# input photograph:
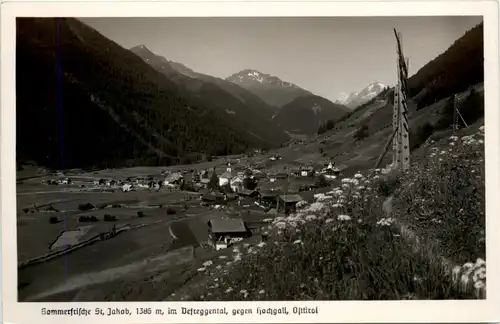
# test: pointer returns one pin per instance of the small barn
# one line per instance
(268, 198)
(226, 231)
(286, 203)
(248, 193)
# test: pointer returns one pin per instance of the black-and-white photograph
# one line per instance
(250, 158)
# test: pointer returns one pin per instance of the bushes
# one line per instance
(85, 207)
(329, 125)
(53, 220)
(361, 133)
(88, 219)
(109, 218)
(140, 214)
(171, 211)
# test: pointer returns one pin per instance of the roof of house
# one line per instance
(247, 192)
(268, 194)
(238, 178)
(271, 211)
(291, 198)
(227, 225)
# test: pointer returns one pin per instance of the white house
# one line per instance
(236, 183)
(173, 178)
(226, 177)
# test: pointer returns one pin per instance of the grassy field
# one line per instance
(349, 248)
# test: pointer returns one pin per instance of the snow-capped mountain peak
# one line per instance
(358, 98)
(254, 76)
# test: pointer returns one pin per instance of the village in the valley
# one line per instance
(198, 210)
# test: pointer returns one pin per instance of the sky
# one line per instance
(325, 55)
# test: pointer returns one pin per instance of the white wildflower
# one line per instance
(244, 292)
(228, 290)
(280, 225)
(261, 292)
(479, 284)
(261, 244)
(465, 280)
(329, 220)
(358, 176)
(311, 217)
(207, 263)
(201, 269)
(456, 273)
(344, 217)
(317, 206)
(480, 262)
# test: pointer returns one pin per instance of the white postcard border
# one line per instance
(329, 311)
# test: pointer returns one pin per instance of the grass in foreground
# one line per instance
(444, 199)
(344, 247)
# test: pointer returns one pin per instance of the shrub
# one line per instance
(85, 207)
(361, 133)
(140, 214)
(109, 218)
(88, 219)
(214, 181)
(53, 220)
(171, 211)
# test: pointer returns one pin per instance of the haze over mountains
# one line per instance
(85, 101)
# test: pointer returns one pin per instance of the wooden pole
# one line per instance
(455, 113)
(404, 137)
(386, 148)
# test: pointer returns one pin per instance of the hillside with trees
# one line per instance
(236, 105)
(84, 101)
(455, 70)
